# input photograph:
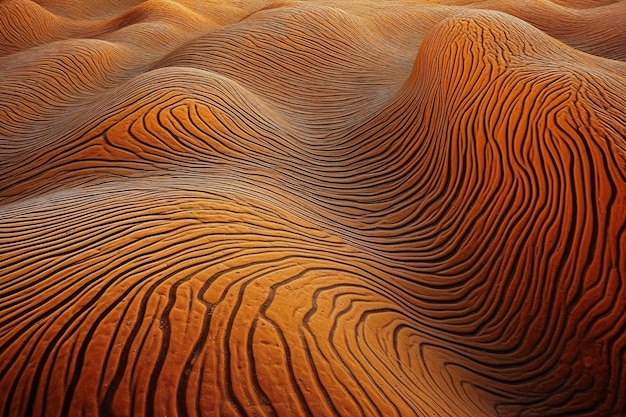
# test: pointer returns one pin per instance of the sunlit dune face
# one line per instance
(305, 208)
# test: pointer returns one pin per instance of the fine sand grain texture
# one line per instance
(312, 208)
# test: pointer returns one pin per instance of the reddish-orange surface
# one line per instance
(409, 208)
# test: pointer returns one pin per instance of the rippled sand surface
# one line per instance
(312, 208)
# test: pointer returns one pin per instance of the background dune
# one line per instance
(313, 208)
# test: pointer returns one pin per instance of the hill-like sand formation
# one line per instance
(312, 208)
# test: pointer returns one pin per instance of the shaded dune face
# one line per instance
(312, 209)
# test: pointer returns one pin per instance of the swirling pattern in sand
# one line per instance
(313, 208)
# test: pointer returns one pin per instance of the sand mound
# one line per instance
(297, 208)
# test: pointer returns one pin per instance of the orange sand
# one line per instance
(401, 208)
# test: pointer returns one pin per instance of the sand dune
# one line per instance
(313, 208)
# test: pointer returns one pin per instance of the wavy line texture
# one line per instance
(315, 209)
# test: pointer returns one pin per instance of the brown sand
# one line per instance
(402, 208)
